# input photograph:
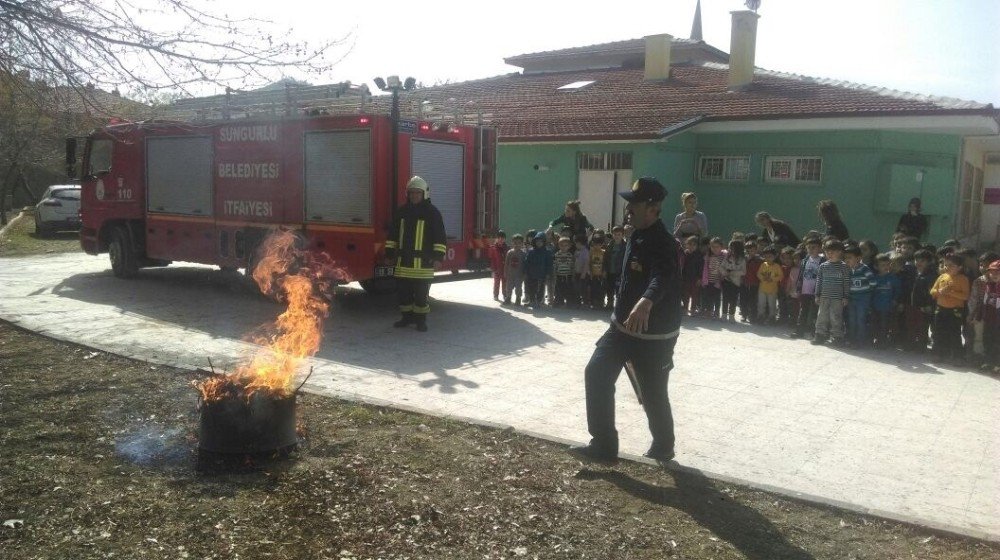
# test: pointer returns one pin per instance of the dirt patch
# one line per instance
(98, 461)
(21, 240)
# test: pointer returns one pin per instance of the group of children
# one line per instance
(849, 294)
(915, 297)
(558, 270)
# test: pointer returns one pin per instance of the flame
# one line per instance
(299, 278)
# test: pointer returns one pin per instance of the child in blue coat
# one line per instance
(885, 299)
(537, 267)
(862, 286)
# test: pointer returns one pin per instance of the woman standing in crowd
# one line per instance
(690, 221)
(573, 219)
(776, 232)
(913, 223)
(830, 214)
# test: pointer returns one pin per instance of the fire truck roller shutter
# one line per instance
(339, 177)
(179, 175)
(442, 165)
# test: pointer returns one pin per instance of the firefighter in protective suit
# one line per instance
(416, 244)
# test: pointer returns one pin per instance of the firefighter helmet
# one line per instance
(416, 183)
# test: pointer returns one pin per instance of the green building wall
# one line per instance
(530, 199)
(870, 174)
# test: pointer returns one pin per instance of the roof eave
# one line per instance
(962, 122)
(677, 128)
(564, 138)
(987, 112)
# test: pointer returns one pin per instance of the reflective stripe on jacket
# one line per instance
(416, 240)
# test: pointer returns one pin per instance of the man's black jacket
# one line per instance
(651, 269)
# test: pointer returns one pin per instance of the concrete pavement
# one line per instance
(879, 432)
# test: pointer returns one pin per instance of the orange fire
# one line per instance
(299, 278)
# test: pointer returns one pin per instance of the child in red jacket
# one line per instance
(989, 313)
(497, 253)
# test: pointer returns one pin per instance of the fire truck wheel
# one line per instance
(122, 253)
(379, 286)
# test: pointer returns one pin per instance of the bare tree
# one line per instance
(64, 62)
(144, 46)
(30, 137)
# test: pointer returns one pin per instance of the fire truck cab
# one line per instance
(161, 191)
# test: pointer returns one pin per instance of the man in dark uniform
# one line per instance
(416, 245)
(643, 331)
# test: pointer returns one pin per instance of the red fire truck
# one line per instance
(158, 191)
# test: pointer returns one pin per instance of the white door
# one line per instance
(597, 194)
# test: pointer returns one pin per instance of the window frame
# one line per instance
(725, 166)
(604, 161)
(794, 170)
(971, 202)
(89, 171)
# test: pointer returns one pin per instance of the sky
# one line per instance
(947, 48)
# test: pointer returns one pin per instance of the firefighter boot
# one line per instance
(407, 320)
(421, 322)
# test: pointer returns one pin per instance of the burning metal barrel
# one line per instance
(252, 409)
(262, 423)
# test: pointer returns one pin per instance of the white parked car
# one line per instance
(58, 210)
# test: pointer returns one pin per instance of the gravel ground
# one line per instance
(98, 461)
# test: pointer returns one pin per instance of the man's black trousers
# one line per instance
(413, 296)
(652, 360)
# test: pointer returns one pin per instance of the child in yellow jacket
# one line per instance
(769, 275)
(950, 292)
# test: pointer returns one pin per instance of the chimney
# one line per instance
(657, 63)
(742, 47)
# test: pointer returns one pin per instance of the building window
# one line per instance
(972, 199)
(793, 169)
(604, 161)
(724, 168)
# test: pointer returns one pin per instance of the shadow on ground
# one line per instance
(358, 332)
(911, 362)
(696, 495)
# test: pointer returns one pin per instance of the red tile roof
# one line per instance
(628, 46)
(620, 104)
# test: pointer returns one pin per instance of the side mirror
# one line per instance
(71, 158)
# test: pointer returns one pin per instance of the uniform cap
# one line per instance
(645, 189)
(416, 183)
